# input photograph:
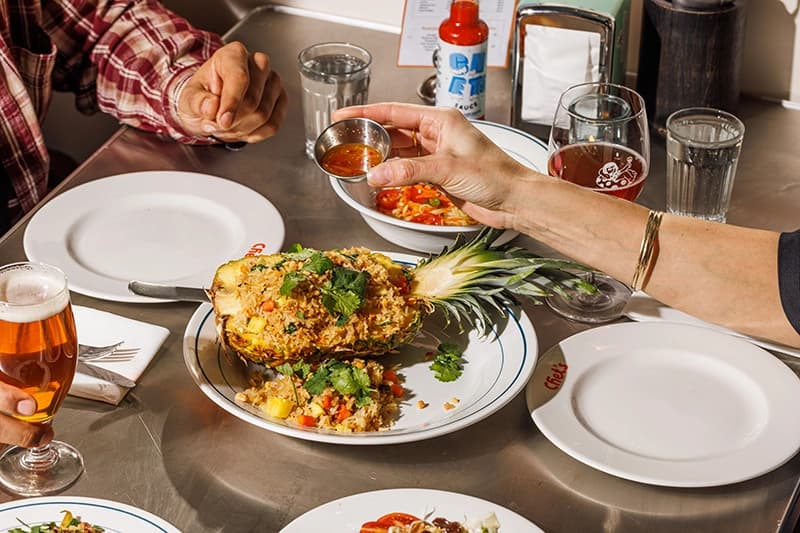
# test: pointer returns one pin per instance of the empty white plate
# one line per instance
(162, 226)
(668, 404)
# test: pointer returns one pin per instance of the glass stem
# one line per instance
(39, 459)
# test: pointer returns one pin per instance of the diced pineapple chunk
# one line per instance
(277, 407)
(256, 324)
(316, 409)
(227, 275)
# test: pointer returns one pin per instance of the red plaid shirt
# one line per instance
(129, 58)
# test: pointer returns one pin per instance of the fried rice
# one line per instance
(332, 406)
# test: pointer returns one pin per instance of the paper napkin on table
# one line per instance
(100, 328)
(555, 59)
(644, 308)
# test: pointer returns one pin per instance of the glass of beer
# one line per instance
(38, 354)
(599, 140)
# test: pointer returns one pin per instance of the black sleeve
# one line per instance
(789, 276)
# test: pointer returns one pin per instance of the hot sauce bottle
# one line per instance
(460, 60)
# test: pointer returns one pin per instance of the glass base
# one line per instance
(606, 305)
(39, 471)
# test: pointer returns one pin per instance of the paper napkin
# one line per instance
(100, 328)
(555, 59)
(644, 308)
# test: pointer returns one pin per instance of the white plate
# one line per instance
(113, 517)
(523, 147)
(165, 227)
(347, 514)
(496, 369)
(669, 404)
(644, 308)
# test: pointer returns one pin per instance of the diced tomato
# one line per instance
(397, 519)
(421, 193)
(307, 421)
(401, 282)
(268, 305)
(387, 199)
(373, 527)
(397, 390)
(343, 413)
(390, 376)
(431, 219)
(327, 401)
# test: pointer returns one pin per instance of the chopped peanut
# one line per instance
(448, 406)
(421, 404)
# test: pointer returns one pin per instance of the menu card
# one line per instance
(421, 21)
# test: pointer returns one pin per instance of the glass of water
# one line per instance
(703, 146)
(332, 75)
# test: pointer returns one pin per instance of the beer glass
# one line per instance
(599, 140)
(38, 354)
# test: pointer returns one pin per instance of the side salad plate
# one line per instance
(351, 512)
(111, 516)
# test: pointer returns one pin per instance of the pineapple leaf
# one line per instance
(468, 280)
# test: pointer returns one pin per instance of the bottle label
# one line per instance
(461, 78)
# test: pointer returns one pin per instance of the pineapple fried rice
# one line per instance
(344, 396)
(301, 305)
(309, 305)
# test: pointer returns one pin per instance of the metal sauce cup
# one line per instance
(352, 131)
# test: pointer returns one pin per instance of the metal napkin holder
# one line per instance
(568, 17)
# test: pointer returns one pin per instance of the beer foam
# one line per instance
(29, 293)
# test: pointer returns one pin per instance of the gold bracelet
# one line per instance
(646, 249)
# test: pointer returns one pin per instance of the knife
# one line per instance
(168, 292)
(105, 375)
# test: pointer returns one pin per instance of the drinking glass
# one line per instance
(332, 75)
(703, 147)
(38, 354)
(599, 140)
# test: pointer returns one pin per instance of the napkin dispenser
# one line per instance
(557, 45)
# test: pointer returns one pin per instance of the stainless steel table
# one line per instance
(168, 449)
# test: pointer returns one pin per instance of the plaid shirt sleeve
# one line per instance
(128, 58)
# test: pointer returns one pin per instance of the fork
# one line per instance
(109, 354)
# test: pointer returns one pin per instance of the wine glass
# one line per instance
(599, 140)
(38, 354)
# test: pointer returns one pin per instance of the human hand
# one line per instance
(439, 145)
(234, 96)
(14, 401)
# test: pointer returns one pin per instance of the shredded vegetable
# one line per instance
(422, 203)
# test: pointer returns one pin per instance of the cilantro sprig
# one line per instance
(344, 378)
(448, 364)
(344, 294)
(300, 368)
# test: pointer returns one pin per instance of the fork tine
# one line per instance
(87, 352)
(121, 355)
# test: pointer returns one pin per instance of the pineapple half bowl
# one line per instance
(310, 305)
(520, 145)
